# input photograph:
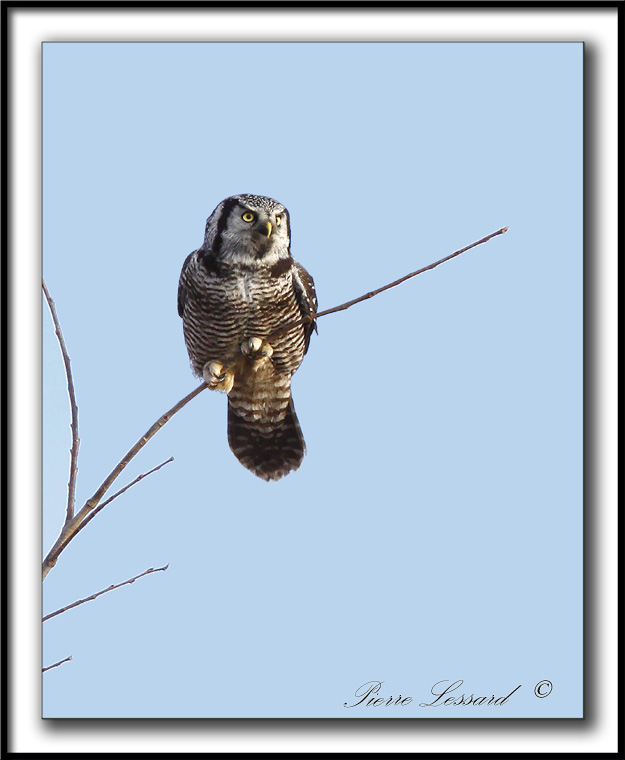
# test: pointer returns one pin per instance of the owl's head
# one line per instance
(250, 229)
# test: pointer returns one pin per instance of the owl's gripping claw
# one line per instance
(217, 377)
(256, 348)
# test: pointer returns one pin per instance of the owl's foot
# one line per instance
(217, 377)
(256, 348)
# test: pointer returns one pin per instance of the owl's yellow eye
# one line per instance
(248, 216)
(278, 221)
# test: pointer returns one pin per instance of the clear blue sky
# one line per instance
(434, 530)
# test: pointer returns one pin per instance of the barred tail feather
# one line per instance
(271, 455)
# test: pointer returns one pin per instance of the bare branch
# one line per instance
(99, 593)
(71, 527)
(120, 492)
(343, 306)
(56, 664)
(73, 465)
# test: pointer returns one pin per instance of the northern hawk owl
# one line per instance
(238, 289)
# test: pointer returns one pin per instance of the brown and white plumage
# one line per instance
(234, 292)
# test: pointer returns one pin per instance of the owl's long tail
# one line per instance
(269, 451)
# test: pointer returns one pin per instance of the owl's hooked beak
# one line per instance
(269, 228)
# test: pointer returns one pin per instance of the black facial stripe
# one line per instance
(210, 263)
(222, 223)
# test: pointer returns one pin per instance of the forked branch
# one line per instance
(92, 506)
(72, 527)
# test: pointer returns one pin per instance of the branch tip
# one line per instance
(73, 465)
(349, 304)
(56, 664)
(112, 587)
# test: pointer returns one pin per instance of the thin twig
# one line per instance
(99, 593)
(343, 306)
(56, 664)
(71, 528)
(120, 492)
(73, 465)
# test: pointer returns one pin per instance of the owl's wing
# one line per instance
(182, 291)
(306, 298)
